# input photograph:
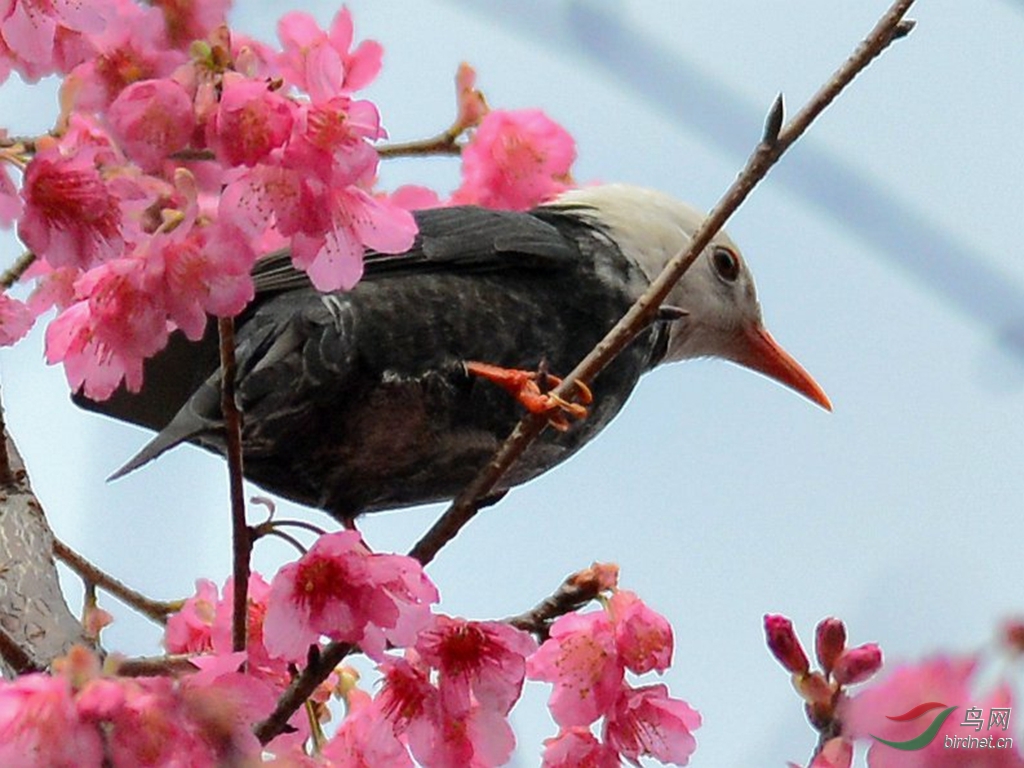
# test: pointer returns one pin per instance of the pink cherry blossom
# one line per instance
(39, 725)
(53, 288)
(470, 102)
(951, 681)
(647, 721)
(188, 20)
(71, 216)
(15, 320)
(133, 46)
(479, 738)
(117, 322)
(785, 645)
(484, 660)
(365, 739)
(643, 637)
(578, 748)
(152, 119)
(189, 630)
(340, 126)
(334, 259)
(515, 160)
(224, 699)
(855, 665)
(837, 753)
(340, 590)
(413, 197)
(90, 364)
(322, 63)
(29, 30)
(406, 693)
(250, 121)
(829, 642)
(581, 659)
(204, 270)
(10, 201)
(290, 201)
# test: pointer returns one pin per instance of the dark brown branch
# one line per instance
(302, 687)
(152, 609)
(574, 593)
(443, 144)
(240, 533)
(16, 270)
(153, 666)
(765, 155)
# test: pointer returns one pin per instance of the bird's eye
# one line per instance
(727, 263)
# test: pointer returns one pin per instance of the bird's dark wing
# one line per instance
(291, 334)
(460, 238)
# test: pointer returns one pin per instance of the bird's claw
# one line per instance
(531, 389)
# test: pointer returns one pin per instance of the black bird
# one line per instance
(372, 399)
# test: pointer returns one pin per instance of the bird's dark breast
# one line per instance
(398, 421)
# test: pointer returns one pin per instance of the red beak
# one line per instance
(760, 352)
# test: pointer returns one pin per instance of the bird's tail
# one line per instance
(192, 421)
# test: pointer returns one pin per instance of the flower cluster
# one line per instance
(823, 691)
(82, 716)
(586, 658)
(185, 151)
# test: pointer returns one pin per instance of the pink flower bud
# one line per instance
(784, 644)
(600, 577)
(813, 688)
(829, 642)
(1012, 636)
(858, 664)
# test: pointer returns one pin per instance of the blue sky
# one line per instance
(888, 258)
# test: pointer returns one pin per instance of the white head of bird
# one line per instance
(723, 317)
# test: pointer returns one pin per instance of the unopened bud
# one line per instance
(814, 688)
(1012, 636)
(784, 644)
(858, 664)
(829, 642)
(599, 577)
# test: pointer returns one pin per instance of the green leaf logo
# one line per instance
(922, 741)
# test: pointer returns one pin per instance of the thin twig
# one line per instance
(16, 270)
(445, 143)
(152, 666)
(240, 533)
(302, 687)
(571, 595)
(152, 609)
(765, 155)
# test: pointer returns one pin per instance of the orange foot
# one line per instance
(525, 386)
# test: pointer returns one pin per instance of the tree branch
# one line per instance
(574, 593)
(777, 139)
(11, 275)
(240, 533)
(445, 143)
(152, 666)
(35, 621)
(155, 610)
(319, 667)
